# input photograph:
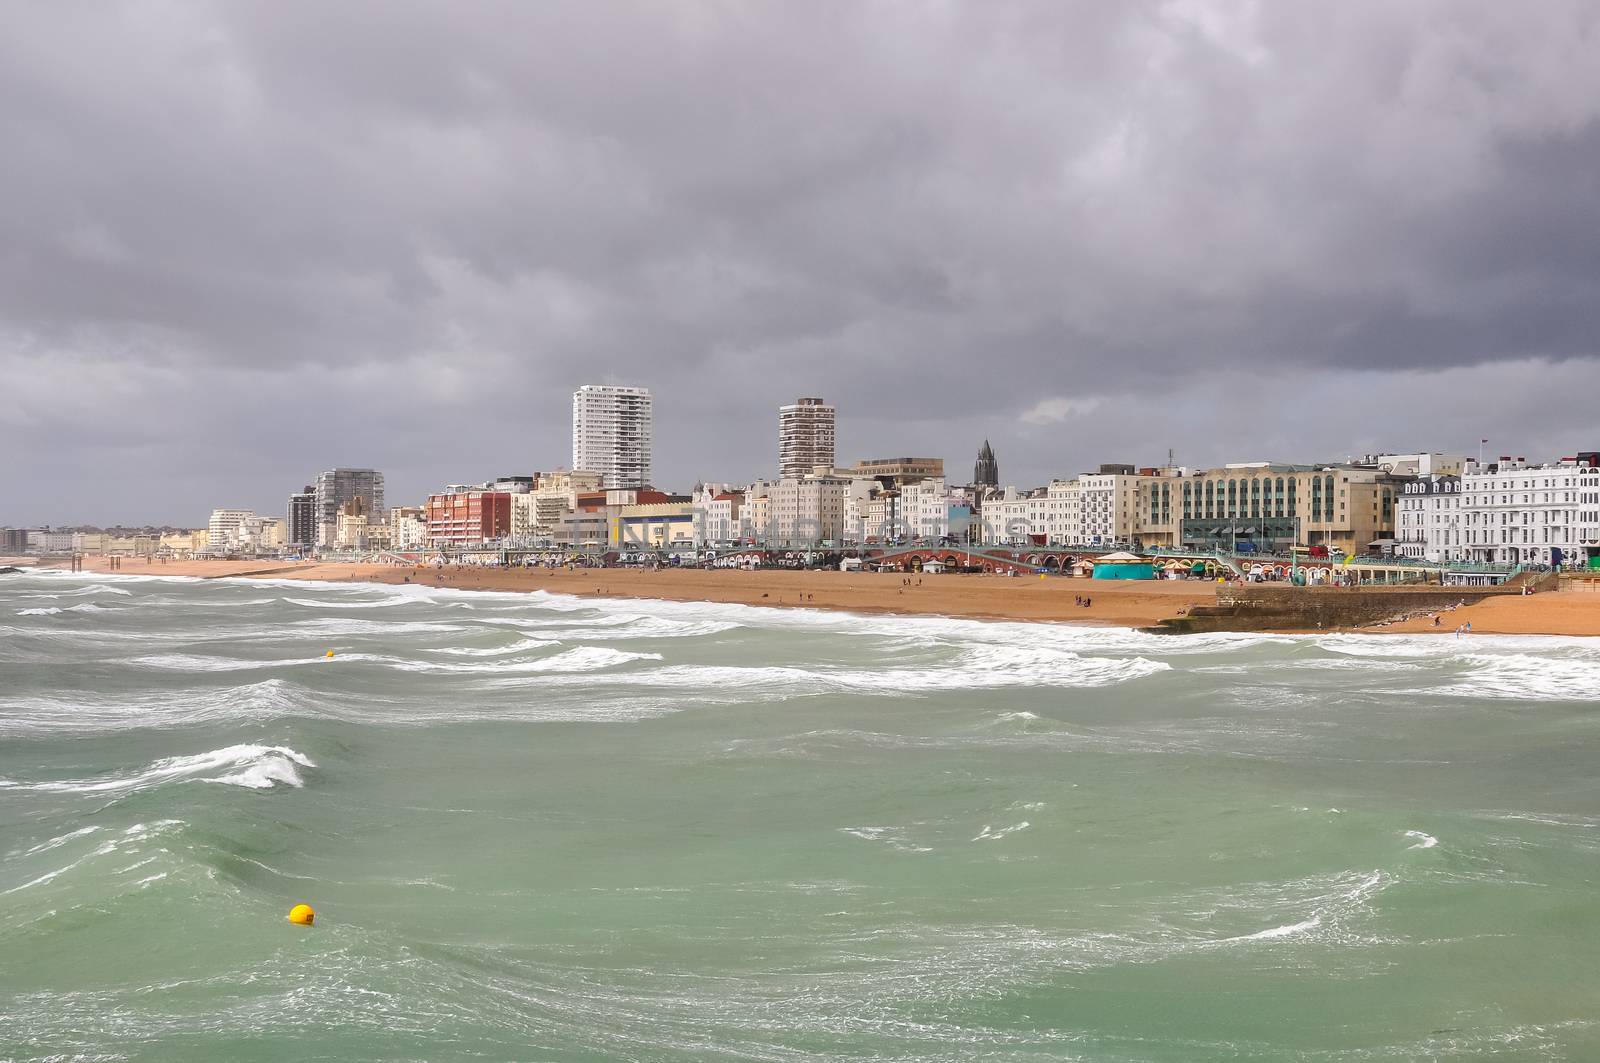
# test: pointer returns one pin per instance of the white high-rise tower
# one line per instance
(805, 437)
(611, 433)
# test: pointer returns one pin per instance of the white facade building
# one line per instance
(46, 541)
(925, 509)
(1429, 523)
(1062, 512)
(1516, 513)
(805, 437)
(611, 430)
(720, 516)
(1013, 517)
(858, 499)
(807, 511)
(222, 530)
(1108, 508)
(407, 529)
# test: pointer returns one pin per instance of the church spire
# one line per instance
(986, 473)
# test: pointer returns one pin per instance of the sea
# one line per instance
(537, 827)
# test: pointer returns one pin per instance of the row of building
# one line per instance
(45, 541)
(1433, 507)
(1426, 506)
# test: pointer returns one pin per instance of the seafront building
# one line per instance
(302, 518)
(611, 433)
(354, 521)
(925, 509)
(893, 472)
(668, 524)
(222, 530)
(408, 528)
(1106, 506)
(1268, 507)
(1429, 520)
(334, 488)
(1517, 513)
(806, 511)
(464, 515)
(720, 516)
(555, 494)
(805, 437)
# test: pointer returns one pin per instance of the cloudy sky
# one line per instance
(242, 243)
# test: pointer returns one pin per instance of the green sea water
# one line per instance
(538, 828)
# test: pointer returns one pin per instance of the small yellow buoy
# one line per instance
(330, 653)
(302, 915)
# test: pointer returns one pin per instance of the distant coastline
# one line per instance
(980, 597)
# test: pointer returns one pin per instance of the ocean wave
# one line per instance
(611, 627)
(253, 766)
(80, 713)
(317, 603)
(577, 659)
(1524, 676)
(989, 834)
(1421, 839)
(973, 672)
(122, 844)
(522, 645)
(52, 610)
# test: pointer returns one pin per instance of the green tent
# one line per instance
(1123, 565)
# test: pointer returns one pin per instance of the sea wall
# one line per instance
(1277, 607)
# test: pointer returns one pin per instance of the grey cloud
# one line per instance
(275, 237)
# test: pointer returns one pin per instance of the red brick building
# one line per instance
(468, 518)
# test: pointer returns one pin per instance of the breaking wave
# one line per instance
(253, 766)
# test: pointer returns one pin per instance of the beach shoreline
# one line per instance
(1052, 599)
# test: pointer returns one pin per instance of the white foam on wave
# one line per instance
(522, 645)
(1024, 669)
(894, 837)
(52, 610)
(610, 627)
(77, 713)
(58, 841)
(255, 766)
(577, 659)
(129, 842)
(989, 834)
(1273, 933)
(1423, 841)
(315, 603)
(191, 662)
(1526, 676)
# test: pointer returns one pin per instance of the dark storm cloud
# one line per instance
(244, 242)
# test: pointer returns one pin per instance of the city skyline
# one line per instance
(1076, 230)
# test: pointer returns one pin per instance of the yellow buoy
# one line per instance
(302, 915)
(330, 653)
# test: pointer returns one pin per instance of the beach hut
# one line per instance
(1122, 565)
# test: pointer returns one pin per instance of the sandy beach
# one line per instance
(1141, 604)
(985, 597)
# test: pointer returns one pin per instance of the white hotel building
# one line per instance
(611, 434)
(1515, 513)
(1429, 524)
